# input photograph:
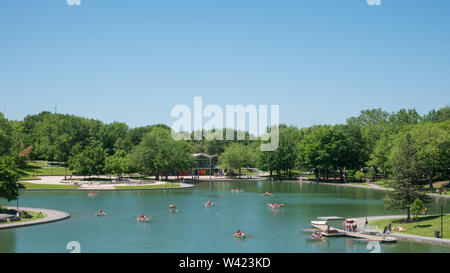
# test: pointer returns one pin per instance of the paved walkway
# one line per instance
(398, 235)
(52, 216)
(93, 186)
(369, 186)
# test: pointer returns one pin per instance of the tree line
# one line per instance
(368, 146)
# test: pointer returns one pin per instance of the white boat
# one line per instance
(318, 223)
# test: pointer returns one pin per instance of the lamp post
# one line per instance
(442, 221)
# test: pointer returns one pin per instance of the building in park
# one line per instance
(206, 164)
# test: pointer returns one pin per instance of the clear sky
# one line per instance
(132, 61)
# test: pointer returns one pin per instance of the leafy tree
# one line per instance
(238, 155)
(91, 161)
(158, 152)
(9, 188)
(112, 136)
(312, 154)
(359, 175)
(432, 142)
(116, 164)
(380, 157)
(417, 207)
(6, 136)
(440, 115)
(406, 171)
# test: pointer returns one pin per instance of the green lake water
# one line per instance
(200, 229)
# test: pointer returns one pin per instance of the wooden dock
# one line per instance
(361, 236)
(369, 237)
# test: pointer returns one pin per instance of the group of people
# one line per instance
(317, 236)
(273, 205)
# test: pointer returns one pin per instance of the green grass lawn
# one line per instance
(40, 168)
(144, 187)
(356, 183)
(26, 185)
(384, 183)
(424, 227)
(32, 213)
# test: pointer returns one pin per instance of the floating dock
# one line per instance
(330, 231)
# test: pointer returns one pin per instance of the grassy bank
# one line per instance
(32, 213)
(40, 168)
(147, 187)
(425, 226)
(33, 186)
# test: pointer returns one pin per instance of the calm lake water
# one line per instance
(201, 229)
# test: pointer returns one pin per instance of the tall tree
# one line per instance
(91, 161)
(9, 188)
(6, 136)
(407, 173)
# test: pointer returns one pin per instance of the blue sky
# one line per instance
(132, 61)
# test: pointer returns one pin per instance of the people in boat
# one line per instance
(209, 203)
(239, 233)
(274, 205)
(267, 194)
(142, 217)
(101, 212)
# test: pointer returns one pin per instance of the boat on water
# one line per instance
(314, 239)
(243, 236)
(323, 224)
(274, 205)
(145, 220)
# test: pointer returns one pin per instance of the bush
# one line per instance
(359, 175)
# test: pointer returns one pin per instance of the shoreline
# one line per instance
(367, 186)
(43, 180)
(401, 236)
(94, 185)
(52, 216)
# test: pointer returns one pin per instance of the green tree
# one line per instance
(407, 173)
(440, 115)
(432, 142)
(380, 157)
(116, 164)
(417, 207)
(113, 136)
(236, 156)
(158, 152)
(285, 157)
(91, 161)
(6, 136)
(9, 188)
